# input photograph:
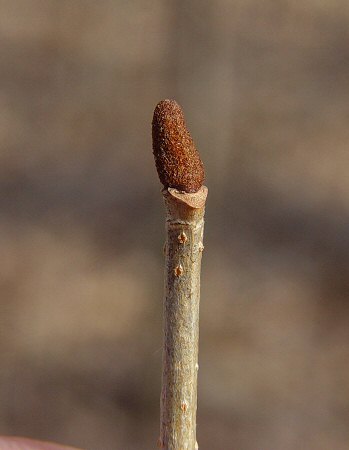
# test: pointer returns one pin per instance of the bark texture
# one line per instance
(183, 250)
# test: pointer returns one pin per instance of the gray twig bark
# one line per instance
(183, 250)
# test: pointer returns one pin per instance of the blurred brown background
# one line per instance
(264, 86)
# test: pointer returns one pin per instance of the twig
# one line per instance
(181, 171)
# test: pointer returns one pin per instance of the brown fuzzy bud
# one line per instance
(177, 161)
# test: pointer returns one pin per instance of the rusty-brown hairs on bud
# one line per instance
(177, 161)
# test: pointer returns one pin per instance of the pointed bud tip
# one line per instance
(177, 161)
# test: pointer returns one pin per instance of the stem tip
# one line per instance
(177, 161)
